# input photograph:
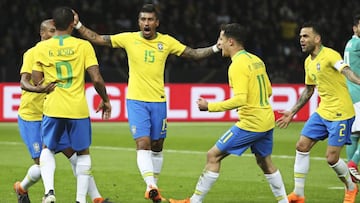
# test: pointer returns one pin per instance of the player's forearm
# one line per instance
(304, 98)
(198, 53)
(25, 83)
(101, 90)
(27, 86)
(94, 37)
(98, 82)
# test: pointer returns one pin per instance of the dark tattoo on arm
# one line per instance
(197, 53)
(304, 98)
(95, 37)
(89, 34)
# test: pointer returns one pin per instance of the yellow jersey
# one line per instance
(31, 103)
(324, 71)
(146, 59)
(64, 60)
(248, 77)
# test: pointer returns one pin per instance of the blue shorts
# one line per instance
(30, 132)
(147, 119)
(237, 141)
(338, 132)
(76, 131)
(64, 143)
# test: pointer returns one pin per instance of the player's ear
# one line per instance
(157, 22)
(231, 41)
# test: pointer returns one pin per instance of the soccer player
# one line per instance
(352, 57)
(324, 70)
(63, 60)
(147, 51)
(29, 120)
(254, 130)
(30, 114)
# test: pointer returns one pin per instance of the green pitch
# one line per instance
(117, 176)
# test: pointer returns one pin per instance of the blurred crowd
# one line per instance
(273, 26)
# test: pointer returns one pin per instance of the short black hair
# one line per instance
(315, 26)
(150, 8)
(63, 17)
(356, 19)
(235, 31)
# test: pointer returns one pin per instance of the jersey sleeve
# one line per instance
(336, 61)
(90, 56)
(120, 40)
(239, 82)
(229, 104)
(40, 59)
(28, 61)
(177, 48)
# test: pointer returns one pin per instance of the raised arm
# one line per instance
(199, 53)
(90, 35)
(287, 116)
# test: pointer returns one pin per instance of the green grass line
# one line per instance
(174, 151)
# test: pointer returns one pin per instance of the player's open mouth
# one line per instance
(147, 29)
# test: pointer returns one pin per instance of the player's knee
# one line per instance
(302, 147)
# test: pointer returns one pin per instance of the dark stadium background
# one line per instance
(273, 27)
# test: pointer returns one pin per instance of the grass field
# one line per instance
(115, 170)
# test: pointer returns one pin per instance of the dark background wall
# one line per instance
(273, 24)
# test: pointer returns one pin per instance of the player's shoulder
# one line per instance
(30, 51)
(166, 36)
(329, 50)
(329, 53)
(127, 34)
(355, 41)
(250, 56)
(39, 44)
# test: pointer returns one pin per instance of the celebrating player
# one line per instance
(325, 70)
(29, 120)
(63, 60)
(147, 51)
(252, 88)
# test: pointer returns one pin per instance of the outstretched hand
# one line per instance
(105, 107)
(285, 119)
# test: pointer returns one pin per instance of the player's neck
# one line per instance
(68, 31)
(233, 52)
(316, 51)
(59, 33)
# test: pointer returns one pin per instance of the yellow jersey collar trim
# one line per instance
(238, 54)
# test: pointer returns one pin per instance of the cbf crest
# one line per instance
(160, 46)
(318, 66)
